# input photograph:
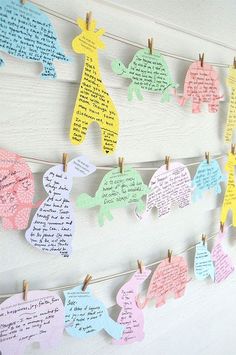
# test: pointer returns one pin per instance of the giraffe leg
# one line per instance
(78, 129)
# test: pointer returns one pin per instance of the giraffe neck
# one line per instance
(91, 62)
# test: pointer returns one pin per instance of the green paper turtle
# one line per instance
(115, 191)
(148, 72)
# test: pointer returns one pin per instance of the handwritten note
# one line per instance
(39, 319)
(131, 316)
(16, 191)
(115, 191)
(229, 202)
(52, 227)
(222, 262)
(208, 176)
(85, 315)
(148, 72)
(201, 85)
(27, 33)
(231, 117)
(168, 187)
(93, 103)
(169, 277)
(203, 264)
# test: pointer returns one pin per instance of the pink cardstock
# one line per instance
(16, 191)
(201, 85)
(223, 264)
(169, 277)
(39, 319)
(131, 316)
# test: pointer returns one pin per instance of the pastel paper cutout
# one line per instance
(231, 117)
(222, 262)
(39, 319)
(208, 176)
(202, 86)
(53, 225)
(148, 72)
(116, 190)
(86, 315)
(229, 202)
(168, 187)
(16, 191)
(169, 277)
(131, 316)
(93, 103)
(203, 264)
(27, 33)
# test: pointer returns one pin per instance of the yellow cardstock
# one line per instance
(93, 103)
(230, 193)
(231, 118)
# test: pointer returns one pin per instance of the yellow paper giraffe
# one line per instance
(230, 193)
(93, 103)
(231, 118)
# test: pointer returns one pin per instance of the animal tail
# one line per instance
(140, 304)
(59, 55)
(86, 201)
(114, 329)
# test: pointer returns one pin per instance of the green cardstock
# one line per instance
(115, 191)
(148, 72)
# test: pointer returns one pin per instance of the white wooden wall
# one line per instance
(35, 120)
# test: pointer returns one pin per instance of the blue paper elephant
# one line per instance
(203, 264)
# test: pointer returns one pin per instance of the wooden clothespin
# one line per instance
(150, 45)
(140, 266)
(121, 164)
(169, 254)
(221, 227)
(88, 20)
(87, 279)
(234, 63)
(167, 162)
(25, 290)
(233, 148)
(65, 162)
(204, 238)
(201, 59)
(23, 2)
(207, 157)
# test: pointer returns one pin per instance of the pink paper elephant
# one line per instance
(202, 85)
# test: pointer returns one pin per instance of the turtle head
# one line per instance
(85, 201)
(119, 68)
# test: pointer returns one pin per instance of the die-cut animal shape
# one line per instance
(201, 85)
(131, 316)
(27, 33)
(53, 225)
(16, 191)
(231, 117)
(85, 315)
(115, 191)
(148, 72)
(203, 264)
(168, 187)
(229, 202)
(222, 262)
(39, 319)
(208, 176)
(169, 277)
(93, 103)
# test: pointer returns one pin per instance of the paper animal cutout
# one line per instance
(169, 277)
(53, 225)
(208, 176)
(27, 33)
(168, 187)
(203, 264)
(115, 191)
(93, 103)
(16, 191)
(148, 72)
(201, 85)
(39, 319)
(131, 316)
(222, 262)
(86, 315)
(229, 202)
(231, 117)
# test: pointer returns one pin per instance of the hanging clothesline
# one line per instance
(114, 276)
(122, 39)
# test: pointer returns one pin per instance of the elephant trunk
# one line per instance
(114, 329)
